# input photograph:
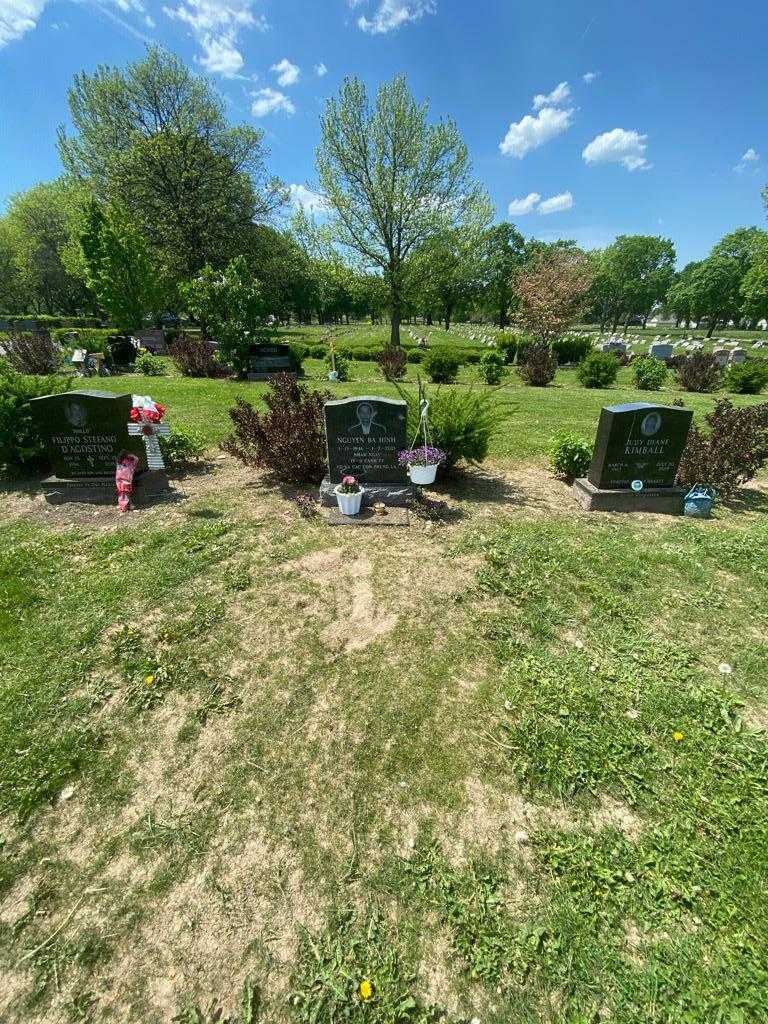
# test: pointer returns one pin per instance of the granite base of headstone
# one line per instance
(364, 436)
(264, 361)
(83, 433)
(637, 454)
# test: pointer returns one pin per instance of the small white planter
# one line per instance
(349, 504)
(422, 474)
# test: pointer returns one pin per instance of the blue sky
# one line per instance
(591, 119)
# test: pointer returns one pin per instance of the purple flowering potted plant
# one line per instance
(349, 495)
(421, 463)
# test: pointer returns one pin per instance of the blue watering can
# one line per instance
(699, 501)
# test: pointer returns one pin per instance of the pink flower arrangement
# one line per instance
(349, 485)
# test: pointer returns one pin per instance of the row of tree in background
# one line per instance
(166, 206)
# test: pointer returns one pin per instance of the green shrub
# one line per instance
(570, 455)
(20, 445)
(365, 353)
(536, 364)
(150, 366)
(649, 373)
(181, 448)
(573, 348)
(317, 351)
(415, 355)
(341, 364)
(92, 339)
(506, 343)
(598, 370)
(299, 351)
(492, 366)
(747, 378)
(442, 365)
(461, 422)
(471, 357)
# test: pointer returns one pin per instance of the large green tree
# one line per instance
(633, 274)
(504, 254)
(391, 178)
(154, 137)
(39, 240)
(119, 266)
(447, 270)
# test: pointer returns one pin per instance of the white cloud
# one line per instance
(750, 157)
(391, 14)
(270, 101)
(519, 207)
(321, 69)
(311, 202)
(220, 56)
(533, 131)
(618, 146)
(216, 25)
(287, 73)
(533, 203)
(17, 17)
(556, 204)
(590, 76)
(559, 95)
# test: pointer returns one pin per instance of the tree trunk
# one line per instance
(394, 331)
(712, 325)
(448, 319)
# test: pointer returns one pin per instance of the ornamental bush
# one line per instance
(506, 343)
(150, 366)
(492, 367)
(747, 378)
(598, 370)
(181, 448)
(570, 455)
(441, 365)
(392, 362)
(196, 357)
(730, 452)
(698, 372)
(415, 355)
(288, 439)
(461, 422)
(340, 363)
(649, 373)
(573, 348)
(20, 445)
(538, 363)
(32, 353)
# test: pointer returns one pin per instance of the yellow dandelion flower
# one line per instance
(365, 989)
(678, 737)
(148, 680)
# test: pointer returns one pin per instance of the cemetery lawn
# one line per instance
(510, 766)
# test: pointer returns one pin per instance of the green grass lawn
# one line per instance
(535, 414)
(509, 765)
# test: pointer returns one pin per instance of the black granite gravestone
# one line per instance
(83, 433)
(636, 457)
(364, 435)
(264, 361)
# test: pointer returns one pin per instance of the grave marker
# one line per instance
(364, 435)
(636, 442)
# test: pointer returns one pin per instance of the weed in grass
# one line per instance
(357, 969)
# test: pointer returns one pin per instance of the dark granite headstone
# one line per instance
(639, 441)
(83, 433)
(364, 435)
(636, 443)
(264, 361)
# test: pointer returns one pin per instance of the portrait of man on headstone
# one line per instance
(75, 414)
(366, 422)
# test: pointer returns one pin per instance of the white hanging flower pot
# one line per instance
(422, 475)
